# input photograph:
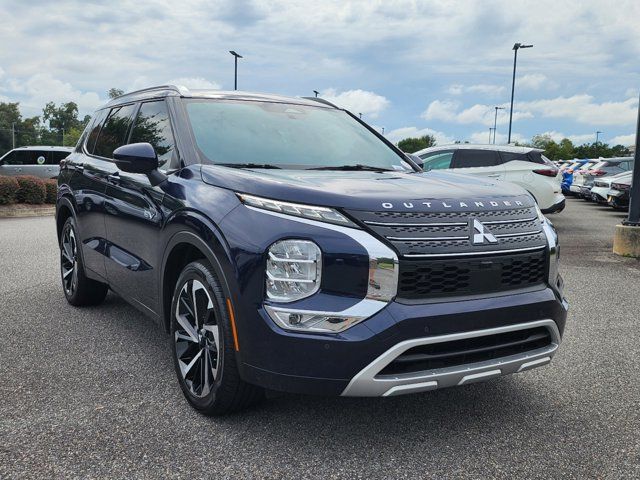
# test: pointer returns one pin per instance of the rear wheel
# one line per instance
(203, 345)
(78, 289)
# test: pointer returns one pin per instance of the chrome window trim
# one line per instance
(366, 383)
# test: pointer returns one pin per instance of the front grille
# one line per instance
(425, 279)
(432, 234)
(470, 350)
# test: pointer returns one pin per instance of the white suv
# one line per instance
(40, 161)
(524, 166)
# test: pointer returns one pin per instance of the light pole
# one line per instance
(360, 115)
(13, 134)
(597, 137)
(316, 92)
(382, 130)
(236, 56)
(490, 134)
(495, 123)
(516, 47)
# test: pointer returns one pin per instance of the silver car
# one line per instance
(40, 161)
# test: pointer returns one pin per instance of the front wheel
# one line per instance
(203, 345)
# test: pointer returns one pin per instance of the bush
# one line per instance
(31, 190)
(8, 188)
(52, 191)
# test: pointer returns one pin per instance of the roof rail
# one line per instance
(176, 88)
(321, 100)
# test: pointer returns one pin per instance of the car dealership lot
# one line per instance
(92, 392)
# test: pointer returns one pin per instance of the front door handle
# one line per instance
(493, 175)
(114, 178)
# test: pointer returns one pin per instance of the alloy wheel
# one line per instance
(197, 338)
(69, 261)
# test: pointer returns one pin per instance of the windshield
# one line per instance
(262, 134)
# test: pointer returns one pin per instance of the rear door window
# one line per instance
(115, 130)
(30, 157)
(437, 160)
(475, 158)
(94, 131)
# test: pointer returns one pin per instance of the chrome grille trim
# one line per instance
(395, 224)
(501, 222)
(425, 239)
(468, 254)
(522, 234)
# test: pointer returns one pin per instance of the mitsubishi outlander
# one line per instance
(287, 246)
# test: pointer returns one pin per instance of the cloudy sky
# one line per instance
(412, 67)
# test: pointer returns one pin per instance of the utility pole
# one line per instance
(13, 134)
(516, 46)
(495, 123)
(235, 70)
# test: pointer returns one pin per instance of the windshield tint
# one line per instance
(285, 135)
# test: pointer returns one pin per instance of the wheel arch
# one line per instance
(64, 210)
(186, 246)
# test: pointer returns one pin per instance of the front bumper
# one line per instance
(346, 363)
(369, 382)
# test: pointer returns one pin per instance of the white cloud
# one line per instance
(482, 88)
(486, 89)
(370, 104)
(501, 138)
(583, 109)
(41, 88)
(625, 140)
(398, 134)
(532, 81)
(195, 83)
(483, 114)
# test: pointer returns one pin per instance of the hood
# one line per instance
(368, 190)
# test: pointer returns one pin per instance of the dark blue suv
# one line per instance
(285, 245)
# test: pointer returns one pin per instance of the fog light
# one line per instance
(312, 321)
(294, 270)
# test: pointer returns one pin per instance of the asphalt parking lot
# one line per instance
(92, 393)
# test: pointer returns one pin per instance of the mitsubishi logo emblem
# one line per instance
(480, 234)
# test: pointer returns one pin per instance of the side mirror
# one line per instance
(139, 158)
(136, 158)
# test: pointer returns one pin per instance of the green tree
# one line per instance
(411, 145)
(115, 92)
(24, 131)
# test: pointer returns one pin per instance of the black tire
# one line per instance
(78, 289)
(203, 347)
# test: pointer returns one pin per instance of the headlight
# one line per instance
(294, 270)
(322, 214)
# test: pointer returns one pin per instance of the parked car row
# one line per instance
(606, 181)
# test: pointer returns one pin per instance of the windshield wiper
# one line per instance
(248, 165)
(357, 166)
